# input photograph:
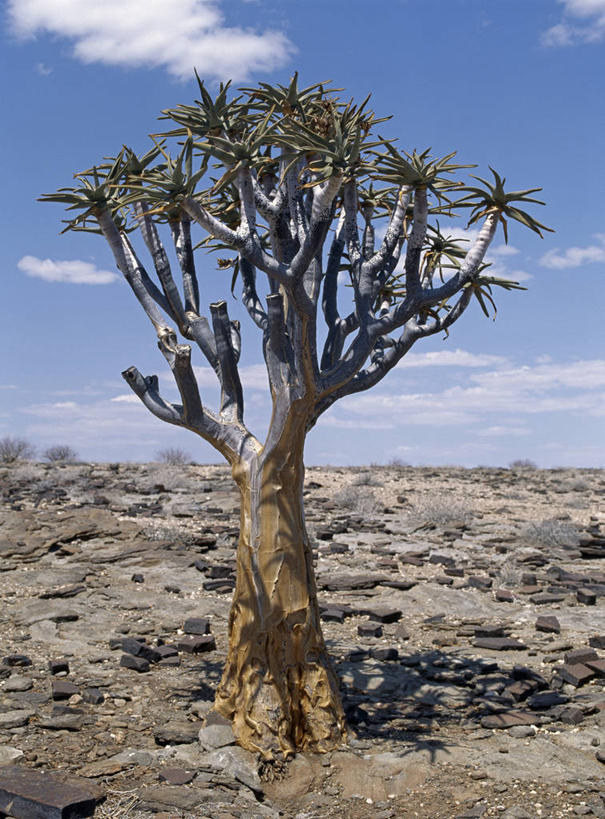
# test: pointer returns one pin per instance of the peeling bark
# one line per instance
(278, 686)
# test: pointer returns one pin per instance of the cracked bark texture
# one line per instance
(301, 160)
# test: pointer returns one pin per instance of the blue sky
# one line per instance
(517, 84)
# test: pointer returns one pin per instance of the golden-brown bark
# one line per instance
(278, 686)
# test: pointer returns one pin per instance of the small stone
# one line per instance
(15, 718)
(369, 630)
(9, 755)
(17, 683)
(600, 756)
(480, 582)
(572, 715)
(63, 689)
(13, 660)
(196, 644)
(546, 699)
(139, 664)
(598, 666)
(508, 719)
(504, 596)
(215, 736)
(196, 625)
(575, 673)
(38, 794)
(137, 578)
(93, 696)
(586, 596)
(71, 721)
(597, 641)
(548, 623)
(176, 776)
(177, 733)
(172, 589)
(581, 655)
(401, 633)
(384, 654)
(522, 731)
(168, 651)
(489, 631)
(58, 666)
(333, 615)
(499, 644)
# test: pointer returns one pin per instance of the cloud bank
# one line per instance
(176, 35)
(72, 272)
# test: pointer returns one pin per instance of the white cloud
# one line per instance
(591, 13)
(43, 69)
(558, 259)
(177, 35)
(129, 398)
(504, 432)
(450, 358)
(72, 272)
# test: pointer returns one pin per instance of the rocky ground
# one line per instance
(463, 608)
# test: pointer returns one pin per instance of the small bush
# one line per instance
(15, 449)
(366, 479)
(523, 464)
(441, 511)
(354, 499)
(60, 453)
(174, 456)
(552, 532)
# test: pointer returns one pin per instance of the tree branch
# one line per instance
(232, 399)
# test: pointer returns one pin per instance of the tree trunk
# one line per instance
(278, 686)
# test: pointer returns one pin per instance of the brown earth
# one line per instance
(437, 588)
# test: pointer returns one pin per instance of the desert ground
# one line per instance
(463, 608)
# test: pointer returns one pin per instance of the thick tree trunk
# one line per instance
(278, 686)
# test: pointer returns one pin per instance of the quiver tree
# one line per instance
(292, 187)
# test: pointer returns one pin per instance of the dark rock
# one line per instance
(72, 721)
(453, 571)
(508, 719)
(480, 582)
(597, 641)
(443, 580)
(131, 646)
(504, 596)
(177, 733)
(586, 596)
(575, 673)
(581, 655)
(397, 583)
(168, 651)
(499, 644)
(150, 653)
(381, 614)
(176, 776)
(16, 660)
(444, 560)
(546, 699)
(196, 644)
(349, 582)
(137, 578)
(196, 625)
(548, 623)
(521, 689)
(490, 631)
(401, 633)
(221, 585)
(172, 589)
(384, 653)
(63, 591)
(572, 715)
(369, 630)
(333, 615)
(93, 696)
(522, 672)
(58, 666)
(598, 666)
(139, 664)
(546, 598)
(63, 690)
(31, 794)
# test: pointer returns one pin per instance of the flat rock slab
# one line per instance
(30, 794)
(499, 644)
(508, 719)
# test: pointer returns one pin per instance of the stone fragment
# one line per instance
(490, 631)
(546, 598)
(220, 585)
(480, 582)
(575, 673)
(196, 644)
(597, 641)
(63, 689)
(213, 736)
(369, 630)
(176, 776)
(58, 666)
(401, 633)
(586, 596)
(499, 644)
(548, 623)
(137, 578)
(15, 718)
(504, 596)
(546, 699)
(32, 794)
(387, 653)
(507, 719)
(349, 582)
(168, 651)
(16, 660)
(70, 720)
(598, 666)
(177, 733)
(9, 755)
(572, 715)
(63, 591)
(581, 655)
(383, 614)
(196, 625)
(443, 580)
(139, 664)
(239, 764)
(93, 696)
(17, 683)
(453, 571)
(333, 615)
